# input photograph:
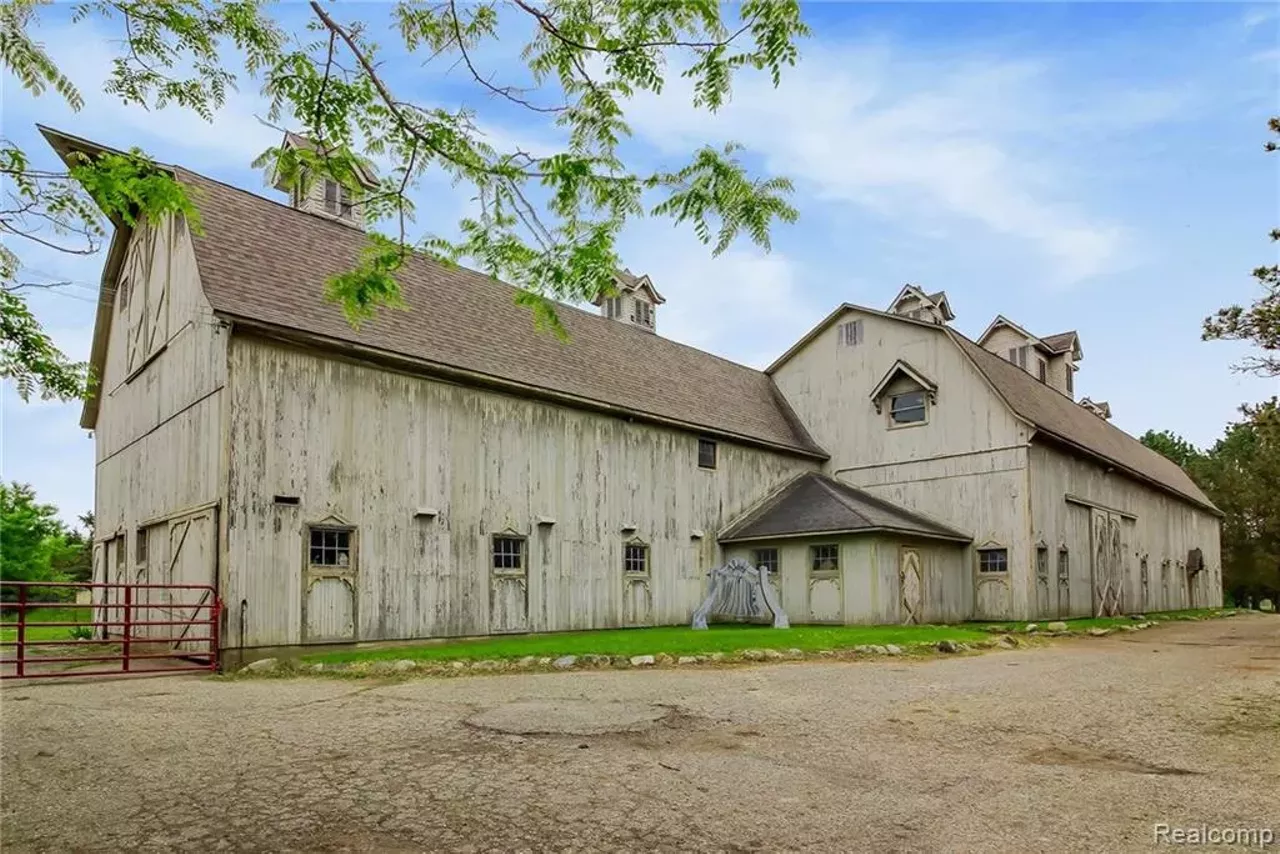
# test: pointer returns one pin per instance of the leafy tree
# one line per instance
(33, 541)
(1260, 322)
(547, 222)
(1172, 446)
(1239, 474)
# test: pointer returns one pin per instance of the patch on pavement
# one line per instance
(571, 717)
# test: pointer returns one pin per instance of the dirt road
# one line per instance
(1084, 745)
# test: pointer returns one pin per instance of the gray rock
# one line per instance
(663, 658)
(1127, 628)
(565, 662)
(597, 660)
(458, 665)
(1031, 627)
(404, 665)
(716, 656)
(795, 653)
(642, 661)
(947, 646)
(262, 665)
(773, 655)
(1006, 642)
(487, 664)
(526, 661)
(863, 649)
(1057, 626)
(753, 654)
(544, 661)
(892, 649)
(687, 659)
(879, 649)
(317, 668)
(1099, 632)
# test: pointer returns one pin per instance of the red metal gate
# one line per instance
(150, 629)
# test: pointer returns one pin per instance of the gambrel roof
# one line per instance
(814, 503)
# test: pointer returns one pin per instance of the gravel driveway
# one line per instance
(1083, 745)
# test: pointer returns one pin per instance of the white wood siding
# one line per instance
(1165, 528)
(158, 435)
(369, 447)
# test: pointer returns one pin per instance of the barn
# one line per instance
(447, 470)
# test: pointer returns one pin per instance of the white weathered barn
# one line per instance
(449, 470)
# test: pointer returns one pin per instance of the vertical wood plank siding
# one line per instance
(369, 447)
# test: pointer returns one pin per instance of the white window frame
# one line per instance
(994, 551)
(629, 562)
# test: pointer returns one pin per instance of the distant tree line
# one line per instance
(35, 545)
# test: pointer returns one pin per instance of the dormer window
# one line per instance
(323, 195)
(909, 408)
(643, 313)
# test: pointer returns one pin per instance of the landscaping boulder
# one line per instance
(597, 660)
(863, 649)
(404, 665)
(527, 661)
(716, 657)
(642, 661)
(773, 655)
(1099, 632)
(795, 653)
(879, 650)
(620, 661)
(565, 662)
(487, 665)
(1137, 616)
(1057, 626)
(262, 665)
(458, 665)
(1007, 642)
(947, 646)
(663, 658)
(687, 659)
(892, 649)
(753, 654)
(1031, 627)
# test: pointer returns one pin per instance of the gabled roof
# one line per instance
(937, 299)
(1058, 416)
(814, 503)
(1064, 342)
(363, 171)
(903, 369)
(264, 262)
(1052, 344)
(263, 265)
(1100, 408)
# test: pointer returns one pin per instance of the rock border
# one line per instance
(1004, 638)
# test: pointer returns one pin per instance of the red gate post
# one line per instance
(22, 629)
(128, 625)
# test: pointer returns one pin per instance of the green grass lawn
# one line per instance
(9, 631)
(674, 640)
(681, 640)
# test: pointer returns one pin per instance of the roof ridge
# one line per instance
(347, 230)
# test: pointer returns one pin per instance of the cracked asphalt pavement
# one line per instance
(1083, 745)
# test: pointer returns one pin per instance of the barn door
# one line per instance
(910, 585)
(509, 585)
(330, 575)
(1108, 571)
(825, 597)
(192, 558)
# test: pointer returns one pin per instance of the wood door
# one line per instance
(330, 582)
(192, 558)
(910, 585)
(509, 599)
(824, 582)
(1107, 565)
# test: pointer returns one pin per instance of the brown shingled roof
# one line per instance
(267, 263)
(1059, 416)
(814, 503)
(1061, 342)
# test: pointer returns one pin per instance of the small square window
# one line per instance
(635, 558)
(993, 560)
(706, 453)
(907, 408)
(825, 558)
(508, 554)
(767, 559)
(1064, 565)
(330, 547)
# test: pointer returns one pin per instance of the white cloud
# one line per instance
(84, 52)
(744, 305)
(912, 140)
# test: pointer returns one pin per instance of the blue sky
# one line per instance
(1095, 167)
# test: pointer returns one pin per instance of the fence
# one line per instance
(149, 629)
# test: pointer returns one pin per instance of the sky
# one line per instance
(1092, 166)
